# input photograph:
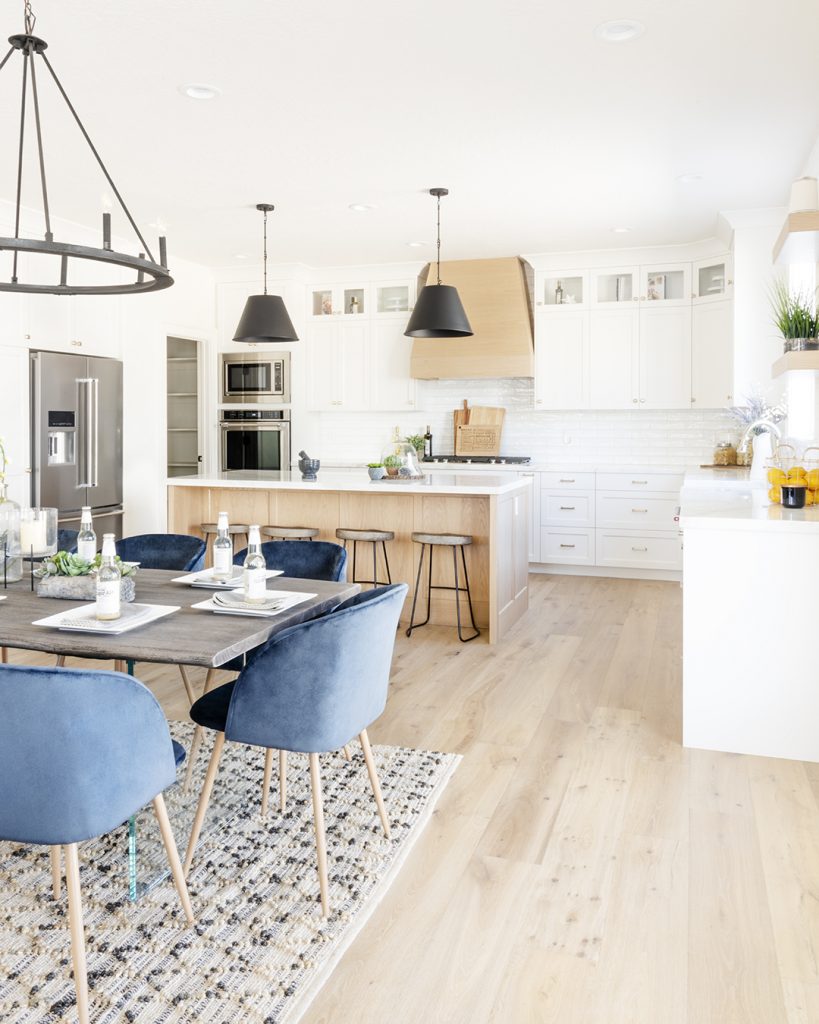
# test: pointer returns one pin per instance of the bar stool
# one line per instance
(374, 537)
(449, 540)
(209, 531)
(290, 532)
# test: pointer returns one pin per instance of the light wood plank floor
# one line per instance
(582, 868)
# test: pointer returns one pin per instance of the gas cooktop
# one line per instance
(483, 460)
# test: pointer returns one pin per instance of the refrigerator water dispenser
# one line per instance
(61, 438)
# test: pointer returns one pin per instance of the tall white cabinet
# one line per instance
(653, 336)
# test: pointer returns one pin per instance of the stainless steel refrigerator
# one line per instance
(76, 438)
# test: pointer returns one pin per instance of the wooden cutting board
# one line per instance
(461, 417)
(486, 416)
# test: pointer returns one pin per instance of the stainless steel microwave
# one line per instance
(259, 376)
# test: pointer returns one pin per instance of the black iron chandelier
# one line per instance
(439, 312)
(150, 274)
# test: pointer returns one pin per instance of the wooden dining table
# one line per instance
(190, 636)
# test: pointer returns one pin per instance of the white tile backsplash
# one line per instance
(680, 437)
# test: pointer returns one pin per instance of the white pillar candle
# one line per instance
(34, 536)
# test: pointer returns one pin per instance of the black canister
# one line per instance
(793, 495)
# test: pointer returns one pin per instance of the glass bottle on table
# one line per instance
(255, 568)
(222, 549)
(108, 581)
(86, 538)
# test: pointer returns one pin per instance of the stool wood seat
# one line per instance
(455, 541)
(374, 537)
(290, 532)
(209, 531)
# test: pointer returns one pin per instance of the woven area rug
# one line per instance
(260, 949)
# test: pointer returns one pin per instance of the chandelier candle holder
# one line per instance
(151, 274)
(10, 539)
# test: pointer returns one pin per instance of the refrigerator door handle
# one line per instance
(87, 423)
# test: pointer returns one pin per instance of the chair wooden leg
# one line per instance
(268, 774)
(4, 655)
(193, 753)
(188, 687)
(379, 800)
(119, 666)
(282, 781)
(321, 840)
(210, 678)
(173, 856)
(60, 662)
(204, 799)
(72, 882)
(56, 873)
(346, 751)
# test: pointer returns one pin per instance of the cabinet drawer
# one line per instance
(637, 512)
(556, 481)
(639, 481)
(572, 547)
(632, 550)
(567, 508)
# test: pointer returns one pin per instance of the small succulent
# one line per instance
(63, 563)
(392, 461)
(417, 442)
(374, 465)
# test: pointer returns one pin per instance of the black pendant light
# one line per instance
(150, 274)
(265, 318)
(439, 312)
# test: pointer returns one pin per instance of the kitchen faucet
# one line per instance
(759, 426)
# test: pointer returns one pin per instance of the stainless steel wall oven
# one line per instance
(254, 439)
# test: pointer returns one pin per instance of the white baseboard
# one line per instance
(608, 572)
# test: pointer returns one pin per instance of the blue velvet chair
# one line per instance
(309, 689)
(87, 782)
(164, 551)
(303, 559)
(67, 540)
(177, 551)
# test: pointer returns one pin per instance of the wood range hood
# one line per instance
(496, 296)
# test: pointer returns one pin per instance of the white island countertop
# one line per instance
(725, 499)
(471, 484)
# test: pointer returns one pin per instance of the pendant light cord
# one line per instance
(265, 252)
(29, 17)
(439, 240)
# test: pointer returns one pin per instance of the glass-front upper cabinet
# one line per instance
(393, 299)
(568, 288)
(713, 279)
(668, 284)
(338, 300)
(614, 285)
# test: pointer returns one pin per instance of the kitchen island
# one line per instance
(751, 590)
(493, 509)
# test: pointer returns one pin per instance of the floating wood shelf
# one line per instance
(796, 361)
(798, 240)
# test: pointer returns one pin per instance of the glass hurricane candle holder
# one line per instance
(38, 532)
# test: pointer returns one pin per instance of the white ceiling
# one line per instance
(546, 137)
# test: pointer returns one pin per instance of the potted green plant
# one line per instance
(376, 470)
(73, 578)
(417, 442)
(392, 464)
(794, 314)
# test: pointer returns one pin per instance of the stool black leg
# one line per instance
(355, 549)
(415, 595)
(375, 564)
(461, 637)
(386, 562)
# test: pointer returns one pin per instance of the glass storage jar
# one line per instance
(11, 562)
(725, 454)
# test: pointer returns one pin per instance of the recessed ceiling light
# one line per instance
(199, 91)
(361, 207)
(417, 245)
(686, 179)
(623, 30)
(621, 231)
(239, 256)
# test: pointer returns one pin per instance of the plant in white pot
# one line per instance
(794, 314)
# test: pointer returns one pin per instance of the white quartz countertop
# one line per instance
(725, 499)
(357, 480)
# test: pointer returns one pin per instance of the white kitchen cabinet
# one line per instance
(554, 290)
(712, 354)
(339, 300)
(613, 358)
(615, 286)
(337, 365)
(391, 386)
(665, 284)
(561, 358)
(665, 356)
(11, 319)
(629, 549)
(712, 280)
(393, 300)
(566, 546)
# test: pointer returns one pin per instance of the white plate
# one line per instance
(83, 619)
(204, 578)
(288, 599)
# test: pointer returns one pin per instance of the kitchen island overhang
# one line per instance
(492, 509)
